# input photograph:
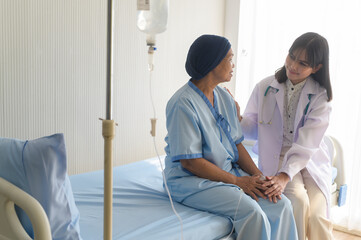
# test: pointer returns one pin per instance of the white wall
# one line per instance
(52, 73)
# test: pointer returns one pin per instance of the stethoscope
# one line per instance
(275, 90)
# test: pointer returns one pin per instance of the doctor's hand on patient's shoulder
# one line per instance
(276, 185)
(252, 186)
(237, 105)
(238, 111)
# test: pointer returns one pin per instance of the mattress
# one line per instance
(141, 207)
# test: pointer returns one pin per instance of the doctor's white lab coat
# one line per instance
(311, 121)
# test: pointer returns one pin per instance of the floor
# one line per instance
(344, 236)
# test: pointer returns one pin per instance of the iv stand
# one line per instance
(108, 133)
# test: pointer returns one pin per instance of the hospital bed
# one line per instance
(141, 207)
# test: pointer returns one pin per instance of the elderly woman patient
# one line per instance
(207, 166)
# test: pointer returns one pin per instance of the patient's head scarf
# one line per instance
(205, 54)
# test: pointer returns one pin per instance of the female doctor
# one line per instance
(288, 114)
(206, 166)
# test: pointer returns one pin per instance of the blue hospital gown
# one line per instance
(196, 129)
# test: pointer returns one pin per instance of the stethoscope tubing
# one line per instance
(275, 91)
(262, 108)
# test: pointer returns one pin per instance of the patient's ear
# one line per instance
(318, 67)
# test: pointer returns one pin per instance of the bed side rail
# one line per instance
(10, 226)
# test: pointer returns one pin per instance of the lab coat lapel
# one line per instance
(308, 89)
(279, 96)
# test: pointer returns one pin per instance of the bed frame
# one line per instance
(10, 226)
(339, 186)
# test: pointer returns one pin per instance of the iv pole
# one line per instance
(108, 129)
(108, 132)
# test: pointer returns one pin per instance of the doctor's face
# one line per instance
(297, 66)
(224, 71)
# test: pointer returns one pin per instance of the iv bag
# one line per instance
(152, 18)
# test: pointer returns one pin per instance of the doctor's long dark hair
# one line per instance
(317, 52)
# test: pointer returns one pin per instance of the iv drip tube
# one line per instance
(152, 132)
(108, 133)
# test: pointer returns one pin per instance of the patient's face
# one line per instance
(224, 71)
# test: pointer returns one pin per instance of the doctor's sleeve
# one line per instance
(309, 137)
(184, 134)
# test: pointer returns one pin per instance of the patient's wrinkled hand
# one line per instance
(252, 186)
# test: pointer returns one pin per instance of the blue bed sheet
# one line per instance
(141, 208)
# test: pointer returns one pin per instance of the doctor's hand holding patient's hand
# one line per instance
(252, 186)
(276, 185)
